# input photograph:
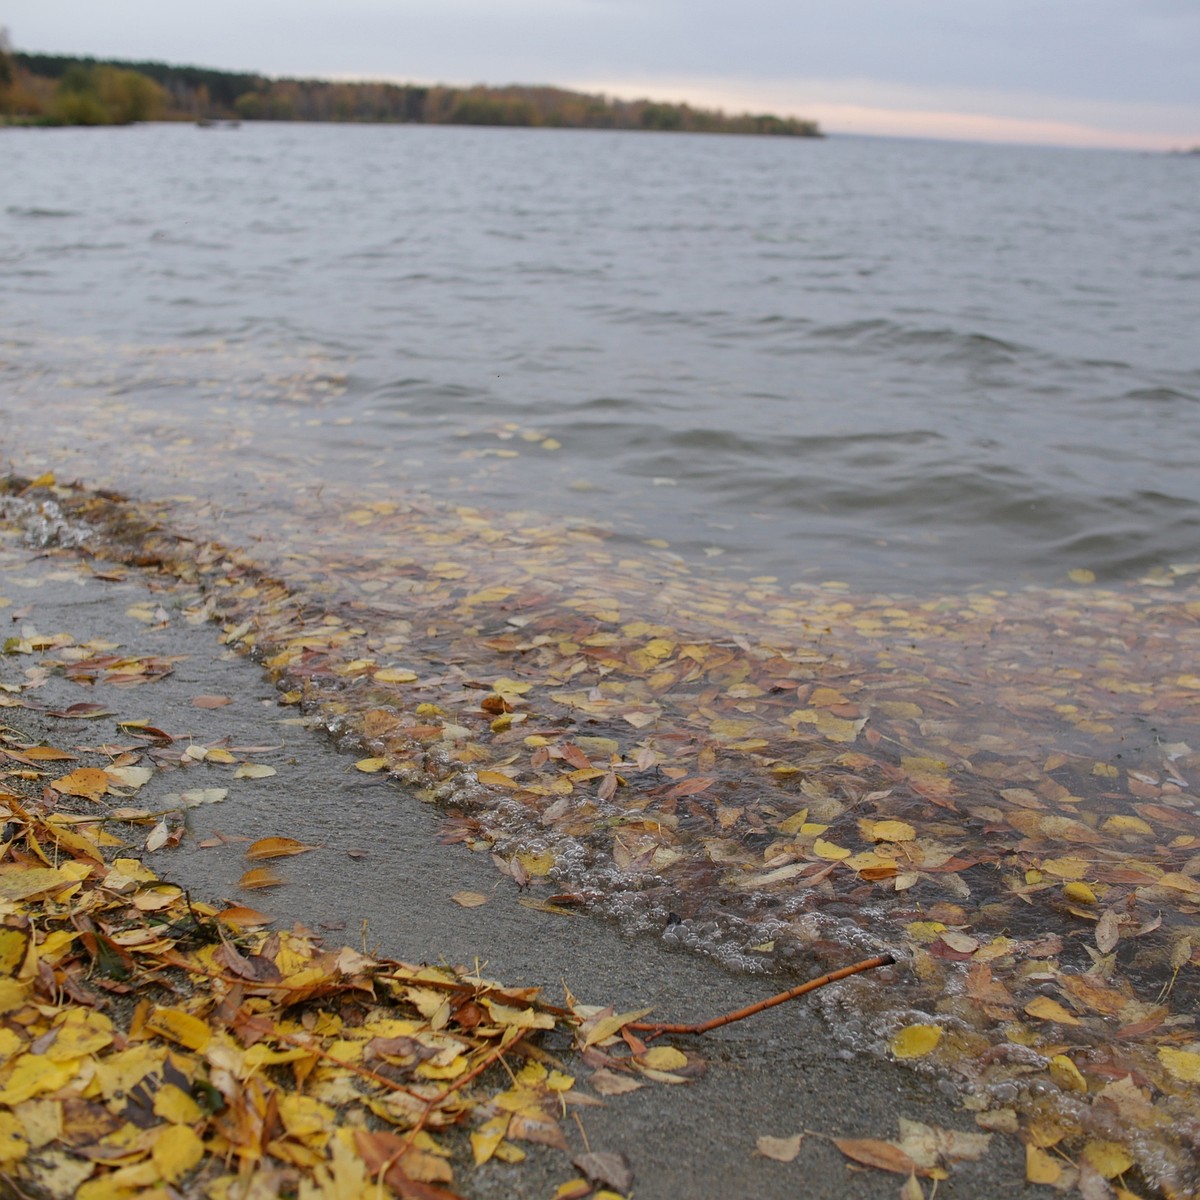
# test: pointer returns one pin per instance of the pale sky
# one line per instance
(1119, 73)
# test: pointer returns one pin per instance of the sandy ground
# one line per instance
(779, 1073)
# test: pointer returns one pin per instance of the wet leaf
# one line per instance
(915, 1041)
(254, 771)
(260, 877)
(275, 847)
(1184, 1065)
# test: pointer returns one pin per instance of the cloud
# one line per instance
(867, 106)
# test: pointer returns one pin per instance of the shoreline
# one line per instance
(382, 876)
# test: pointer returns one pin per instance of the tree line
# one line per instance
(63, 90)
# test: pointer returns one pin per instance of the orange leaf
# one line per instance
(260, 877)
(89, 782)
(241, 917)
(275, 847)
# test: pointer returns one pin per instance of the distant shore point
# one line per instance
(52, 89)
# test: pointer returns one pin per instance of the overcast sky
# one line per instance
(1081, 72)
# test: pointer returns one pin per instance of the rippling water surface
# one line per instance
(783, 547)
(895, 362)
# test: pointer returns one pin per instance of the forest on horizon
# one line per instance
(51, 89)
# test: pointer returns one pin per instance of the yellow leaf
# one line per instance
(395, 675)
(893, 831)
(32, 1075)
(370, 765)
(13, 1146)
(179, 1026)
(21, 882)
(469, 899)
(915, 1041)
(924, 931)
(511, 687)
(1040, 1167)
(824, 849)
(13, 944)
(175, 1106)
(1079, 892)
(1071, 867)
(1120, 823)
(253, 771)
(1046, 1009)
(80, 1034)
(487, 1138)
(663, 1058)
(1081, 575)
(794, 823)
(521, 1018)
(605, 1027)
(496, 779)
(536, 864)
(1066, 1074)
(1110, 1159)
(176, 1151)
(1183, 1064)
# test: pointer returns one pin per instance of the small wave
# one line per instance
(16, 210)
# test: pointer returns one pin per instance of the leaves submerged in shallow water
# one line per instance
(975, 772)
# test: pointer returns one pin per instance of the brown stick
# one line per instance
(657, 1027)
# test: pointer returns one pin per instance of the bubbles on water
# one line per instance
(43, 523)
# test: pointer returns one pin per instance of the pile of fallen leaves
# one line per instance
(152, 1044)
(148, 1040)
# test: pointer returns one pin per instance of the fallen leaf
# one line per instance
(260, 877)
(254, 771)
(275, 847)
(915, 1041)
(609, 1167)
(871, 1152)
(781, 1149)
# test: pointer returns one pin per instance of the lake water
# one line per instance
(899, 363)
(786, 548)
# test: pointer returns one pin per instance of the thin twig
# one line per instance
(657, 1027)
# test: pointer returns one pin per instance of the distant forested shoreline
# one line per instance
(53, 89)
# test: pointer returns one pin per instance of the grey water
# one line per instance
(905, 364)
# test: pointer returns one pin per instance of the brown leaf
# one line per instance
(383, 1152)
(610, 1083)
(211, 701)
(544, 1133)
(884, 1156)
(609, 1167)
